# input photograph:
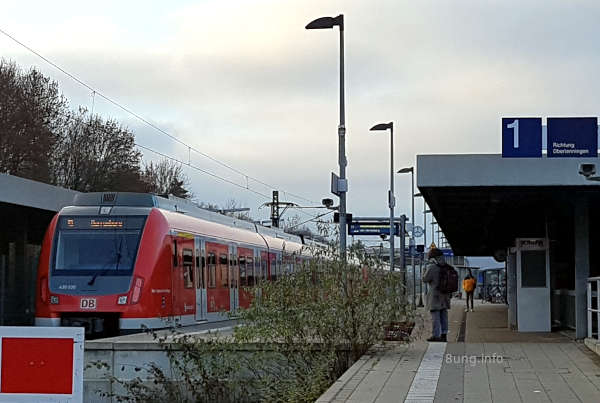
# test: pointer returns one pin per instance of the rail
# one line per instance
(590, 295)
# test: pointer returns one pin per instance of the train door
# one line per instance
(264, 266)
(273, 269)
(246, 269)
(234, 295)
(217, 286)
(183, 277)
(258, 278)
(200, 279)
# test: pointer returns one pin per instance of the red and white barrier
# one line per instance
(41, 364)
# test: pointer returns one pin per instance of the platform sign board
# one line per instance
(371, 228)
(521, 137)
(447, 252)
(572, 137)
(41, 364)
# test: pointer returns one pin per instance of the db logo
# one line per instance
(88, 303)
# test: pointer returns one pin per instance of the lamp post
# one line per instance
(425, 212)
(391, 200)
(412, 233)
(328, 23)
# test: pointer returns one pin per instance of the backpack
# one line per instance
(469, 284)
(448, 279)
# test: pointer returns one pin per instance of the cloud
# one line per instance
(246, 83)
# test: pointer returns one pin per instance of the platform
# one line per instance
(222, 327)
(492, 364)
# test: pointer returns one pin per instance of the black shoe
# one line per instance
(434, 339)
(444, 338)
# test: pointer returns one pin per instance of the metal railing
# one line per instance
(591, 293)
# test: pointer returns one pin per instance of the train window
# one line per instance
(175, 263)
(243, 282)
(273, 269)
(279, 267)
(188, 257)
(199, 270)
(188, 268)
(188, 276)
(224, 270)
(257, 270)
(234, 272)
(263, 265)
(212, 270)
(287, 264)
(250, 272)
(243, 278)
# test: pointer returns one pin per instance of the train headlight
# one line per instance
(54, 299)
(137, 290)
(122, 300)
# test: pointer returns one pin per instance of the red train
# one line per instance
(115, 262)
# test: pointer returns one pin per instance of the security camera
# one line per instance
(327, 202)
(587, 170)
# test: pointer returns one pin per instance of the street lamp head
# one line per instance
(406, 170)
(427, 211)
(382, 126)
(418, 194)
(327, 22)
(327, 203)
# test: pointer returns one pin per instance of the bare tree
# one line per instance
(166, 177)
(94, 154)
(32, 112)
(233, 205)
(209, 206)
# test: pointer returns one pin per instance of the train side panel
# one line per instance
(44, 316)
(150, 300)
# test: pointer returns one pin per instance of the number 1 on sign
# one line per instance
(515, 126)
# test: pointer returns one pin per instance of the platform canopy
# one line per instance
(27, 193)
(483, 202)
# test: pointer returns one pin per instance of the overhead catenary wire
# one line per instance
(189, 164)
(312, 219)
(154, 126)
(177, 160)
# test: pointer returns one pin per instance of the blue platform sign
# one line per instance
(448, 252)
(522, 137)
(371, 228)
(572, 137)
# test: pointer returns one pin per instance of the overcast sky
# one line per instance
(244, 82)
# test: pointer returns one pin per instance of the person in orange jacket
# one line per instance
(469, 284)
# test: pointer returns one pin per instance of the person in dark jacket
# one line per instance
(437, 302)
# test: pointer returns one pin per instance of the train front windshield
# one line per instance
(97, 245)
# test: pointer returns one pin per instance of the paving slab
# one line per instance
(450, 387)
(494, 364)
